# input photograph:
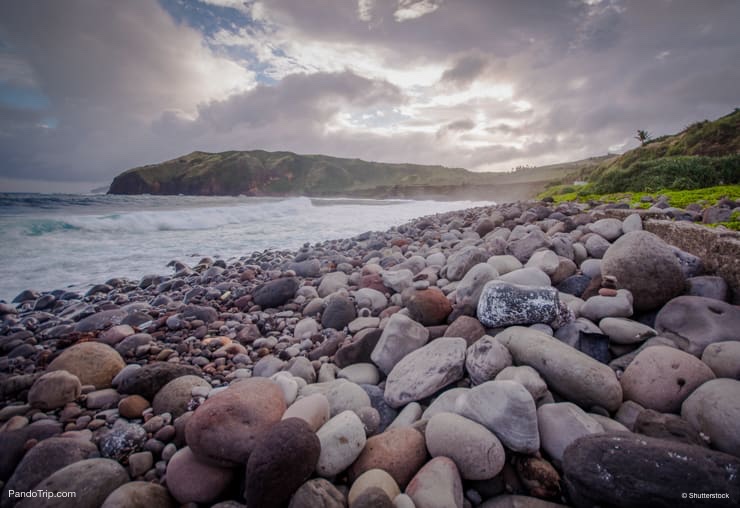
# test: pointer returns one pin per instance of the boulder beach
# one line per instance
(527, 354)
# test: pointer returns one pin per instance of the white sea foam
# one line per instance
(52, 242)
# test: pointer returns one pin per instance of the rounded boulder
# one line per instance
(94, 363)
(225, 428)
(283, 459)
(661, 378)
(54, 389)
(173, 397)
(646, 265)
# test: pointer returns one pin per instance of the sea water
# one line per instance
(63, 241)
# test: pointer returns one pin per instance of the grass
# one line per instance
(707, 196)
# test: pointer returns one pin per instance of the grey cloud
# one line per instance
(465, 70)
(312, 97)
(122, 85)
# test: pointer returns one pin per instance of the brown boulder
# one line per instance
(225, 428)
(661, 378)
(429, 307)
(399, 451)
(94, 363)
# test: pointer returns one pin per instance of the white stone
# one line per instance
(342, 439)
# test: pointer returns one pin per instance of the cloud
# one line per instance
(488, 87)
(414, 9)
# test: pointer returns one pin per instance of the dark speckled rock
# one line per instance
(505, 304)
(621, 469)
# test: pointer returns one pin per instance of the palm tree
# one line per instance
(643, 136)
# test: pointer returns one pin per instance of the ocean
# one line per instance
(71, 241)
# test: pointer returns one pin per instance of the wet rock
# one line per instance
(629, 460)
(571, 373)
(694, 322)
(505, 408)
(245, 409)
(646, 266)
(92, 362)
(503, 304)
(282, 461)
(476, 451)
(424, 371)
(661, 378)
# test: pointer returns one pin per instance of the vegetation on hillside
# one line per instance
(262, 173)
(705, 154)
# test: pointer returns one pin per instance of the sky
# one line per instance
(89, 88)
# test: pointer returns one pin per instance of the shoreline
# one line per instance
(519, 328)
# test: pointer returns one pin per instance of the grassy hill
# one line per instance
(705, 154)
(262, 173)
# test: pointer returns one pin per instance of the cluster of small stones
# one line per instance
(526, 354)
